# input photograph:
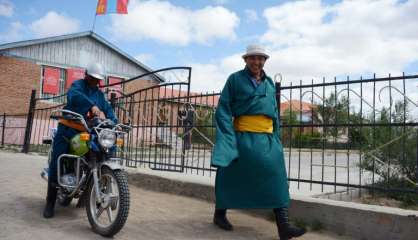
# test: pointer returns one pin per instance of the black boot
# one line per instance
(286, 231)
(220, 220)
(51, 197)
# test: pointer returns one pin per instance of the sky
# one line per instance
(307, 40)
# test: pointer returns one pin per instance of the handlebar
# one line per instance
(123, 126)
(101, 123)
(74, 116)
(114, 127)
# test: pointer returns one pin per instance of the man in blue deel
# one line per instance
(84, 96)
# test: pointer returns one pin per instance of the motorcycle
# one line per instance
(92, 173)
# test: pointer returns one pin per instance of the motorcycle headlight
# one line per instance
(107, 138)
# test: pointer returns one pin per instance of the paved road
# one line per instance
(152, 215)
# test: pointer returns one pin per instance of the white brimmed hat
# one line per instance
(96, 70)
(255, 50)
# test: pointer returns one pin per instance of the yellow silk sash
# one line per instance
(253, 123)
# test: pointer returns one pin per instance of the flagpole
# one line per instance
(103, 10)
(94, 22)
(95, 15)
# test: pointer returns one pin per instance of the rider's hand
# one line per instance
(96, 112)
(102, 115)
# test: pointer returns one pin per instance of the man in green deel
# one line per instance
(248, 153)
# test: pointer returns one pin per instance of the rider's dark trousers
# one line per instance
(60, 146)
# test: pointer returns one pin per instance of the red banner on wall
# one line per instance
(74, 74)
(51, 80)
(117, 87)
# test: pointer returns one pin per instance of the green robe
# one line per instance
(251, 171)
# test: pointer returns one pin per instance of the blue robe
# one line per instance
(80, 99)
(251, 170)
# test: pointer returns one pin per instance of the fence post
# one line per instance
(26, 141)
(278, 85)
(188, 126)
(113, 100)
(3, 127)
(416, 170)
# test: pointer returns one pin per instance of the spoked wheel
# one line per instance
(108, 216)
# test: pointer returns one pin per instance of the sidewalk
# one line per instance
(152, 215)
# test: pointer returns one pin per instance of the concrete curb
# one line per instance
(161, 184)
(360, 221)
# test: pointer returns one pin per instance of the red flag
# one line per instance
(112, 6)
(101, 7)
(122, 7)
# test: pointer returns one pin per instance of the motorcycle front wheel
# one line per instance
(107, 217)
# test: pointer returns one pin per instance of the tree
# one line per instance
(293, 136)
(203, 123)
(332, 111)
(390, 151)
(288, 134)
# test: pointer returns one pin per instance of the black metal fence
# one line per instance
(337, 135)
(41, 123)
(352, 133)
(12, 129)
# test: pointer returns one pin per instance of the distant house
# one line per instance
(173, 101)
(301, 112)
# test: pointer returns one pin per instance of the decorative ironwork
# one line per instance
(330, 144)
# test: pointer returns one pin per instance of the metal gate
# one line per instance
(161, 119)
(159, 114)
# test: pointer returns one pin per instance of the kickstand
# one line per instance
(82, 200)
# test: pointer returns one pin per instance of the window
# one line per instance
(53, 83)
(73, 74)
(118, 88)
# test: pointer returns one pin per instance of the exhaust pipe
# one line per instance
(44, 174)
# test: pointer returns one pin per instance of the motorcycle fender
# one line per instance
(113, 165)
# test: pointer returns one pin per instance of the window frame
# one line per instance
(62, 81)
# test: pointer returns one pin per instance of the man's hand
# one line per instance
(96, 112)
